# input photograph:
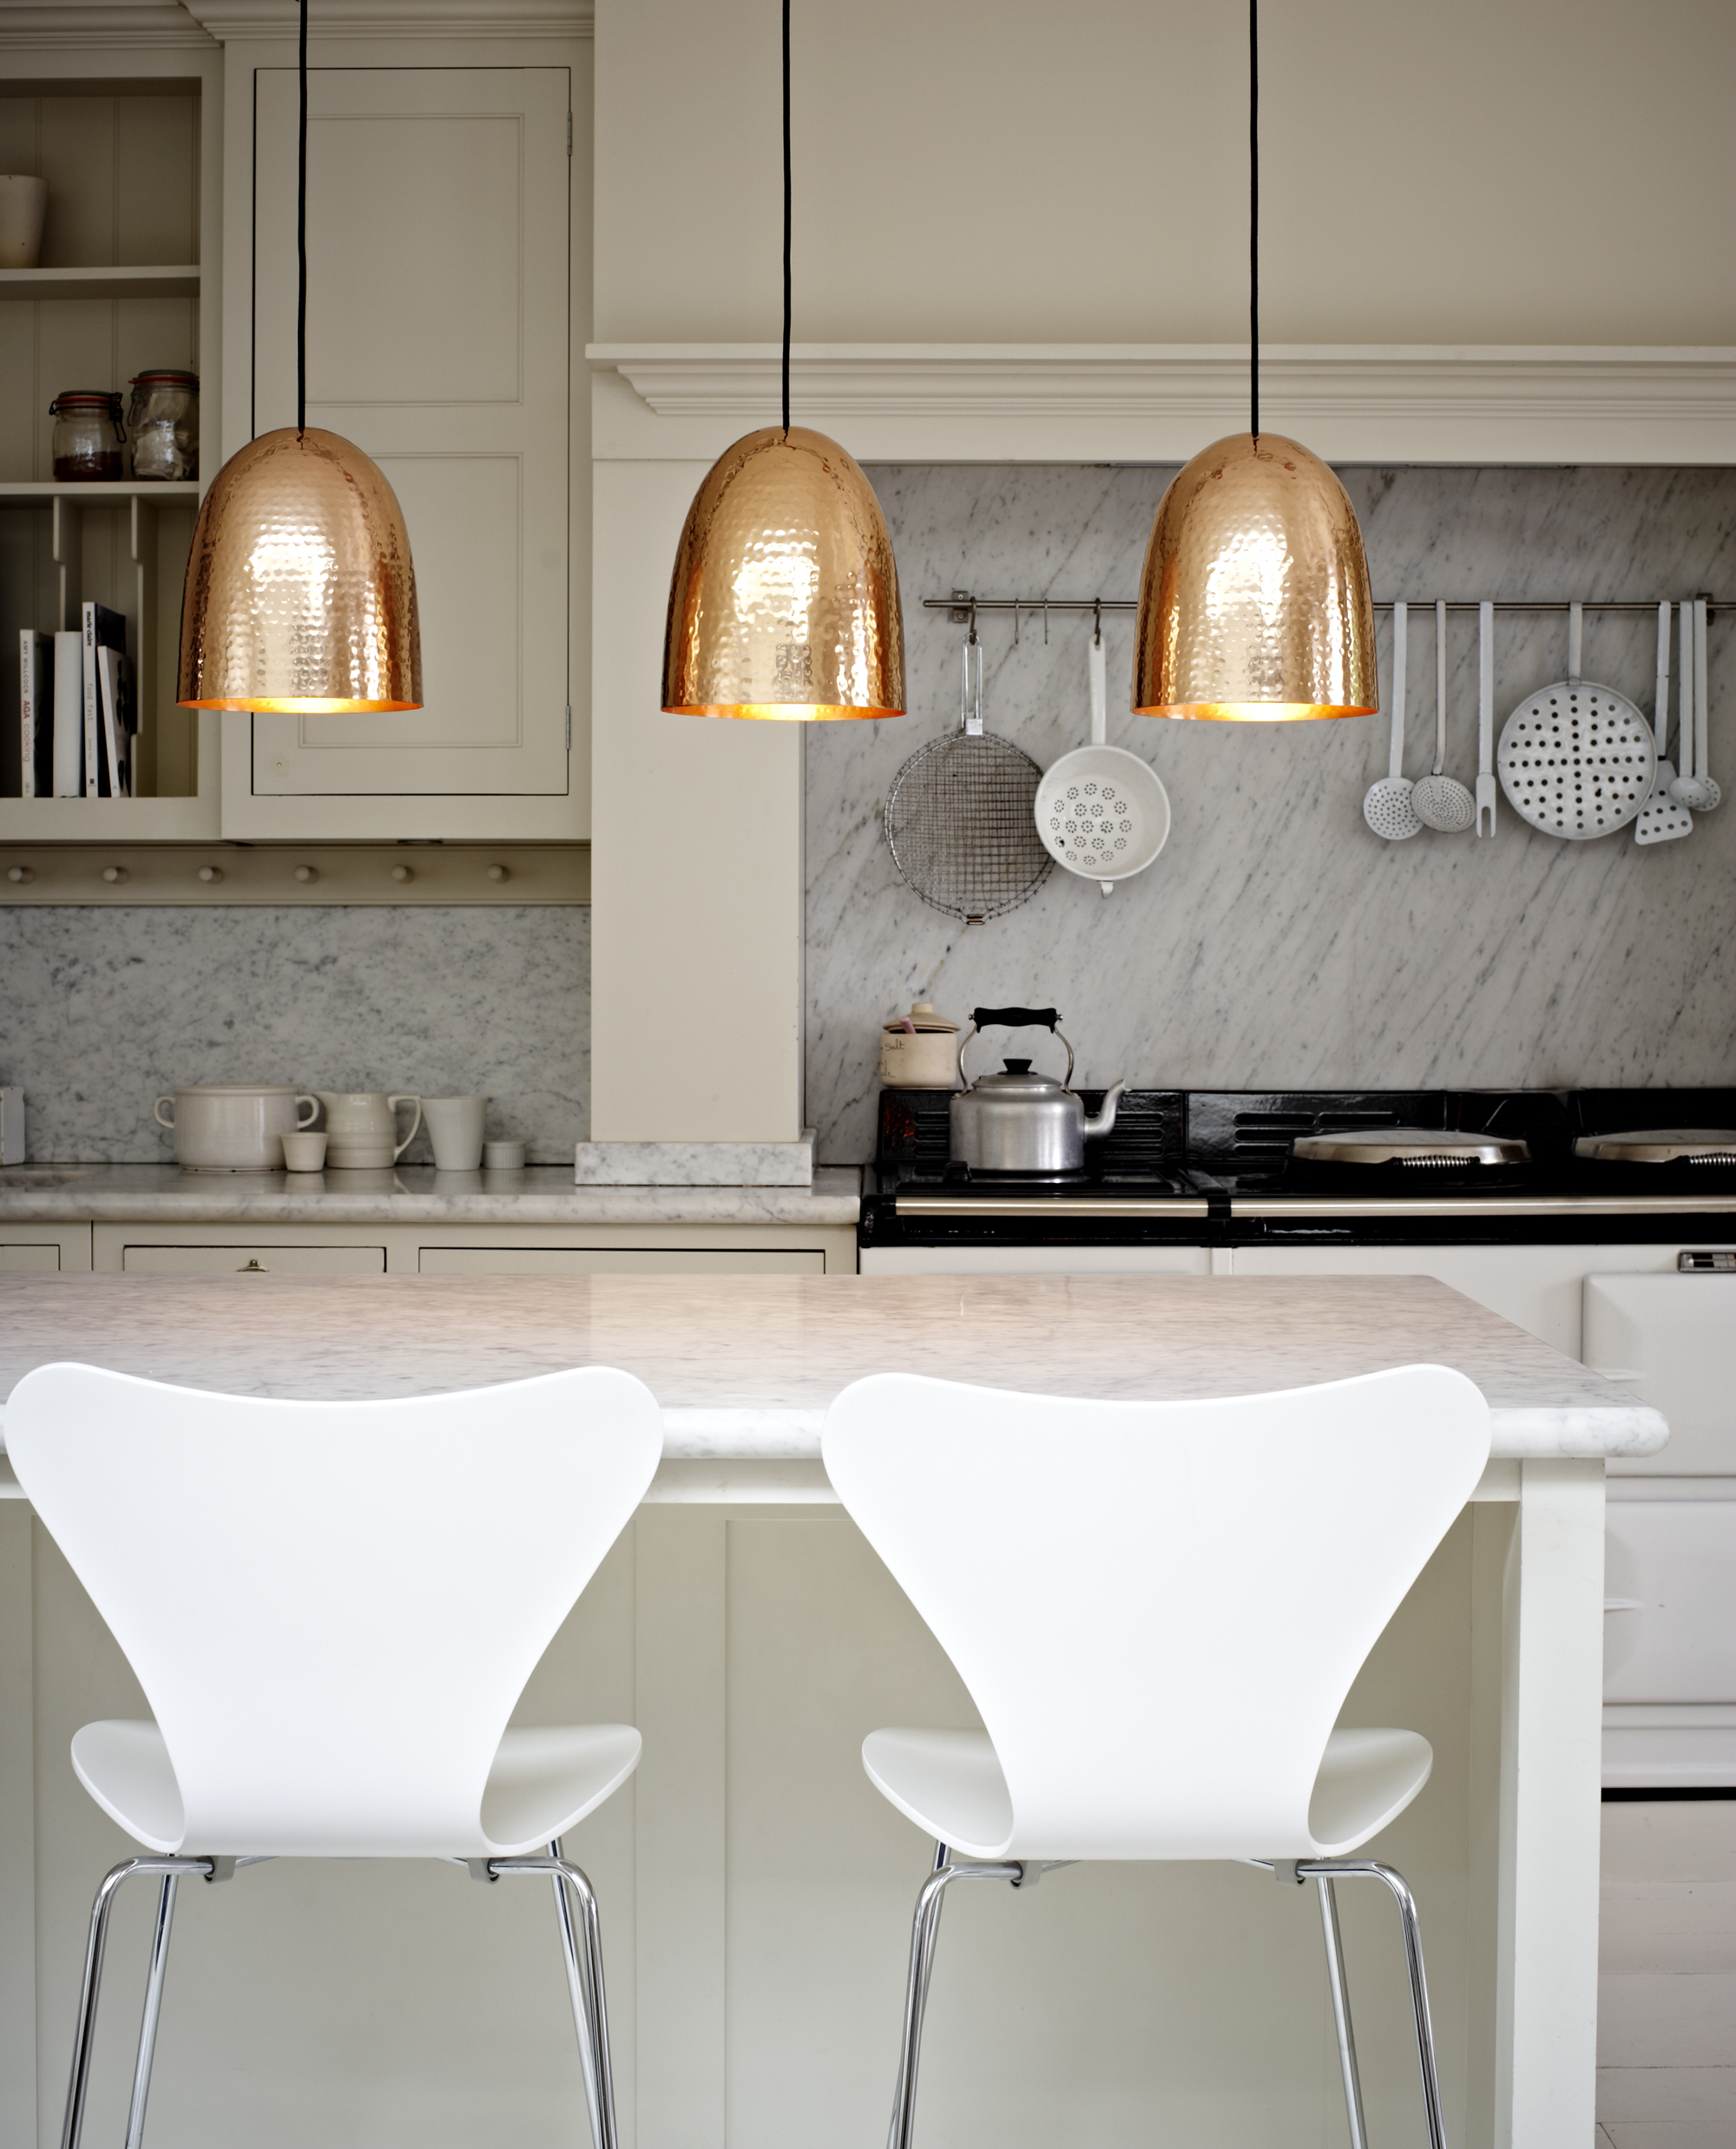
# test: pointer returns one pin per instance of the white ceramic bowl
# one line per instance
(234, 1127)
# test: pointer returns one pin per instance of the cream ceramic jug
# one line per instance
(361, 1126)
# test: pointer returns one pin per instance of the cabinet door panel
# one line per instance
(437, 341)
(619, 1261)
(30, 1261)
(264, 1260)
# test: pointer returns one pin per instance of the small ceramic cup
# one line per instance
(23, 205)
(503, 1156)
(455, 1128)
(304, 1153)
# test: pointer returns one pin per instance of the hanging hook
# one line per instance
(1096, 622)
(973, 622)
(1016, 622)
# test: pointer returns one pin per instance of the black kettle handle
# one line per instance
(1016, 1018)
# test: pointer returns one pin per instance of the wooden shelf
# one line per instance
(24, 821)
(94, 494)
(143, 282)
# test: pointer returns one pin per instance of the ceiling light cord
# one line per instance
(787, 215)
(301, 240)
(1254, 215)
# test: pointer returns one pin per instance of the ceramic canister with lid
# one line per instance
(920, 1051)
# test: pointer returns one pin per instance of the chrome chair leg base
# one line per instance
(1325, 1872)
(581, 1949)
(96, 1947)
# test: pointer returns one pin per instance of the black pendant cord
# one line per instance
(787, 215)
(1254, 216)
(301, 240)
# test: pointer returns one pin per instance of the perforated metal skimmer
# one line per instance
(1574, 759)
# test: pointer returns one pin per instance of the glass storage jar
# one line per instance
(163, 422)
(88, 438)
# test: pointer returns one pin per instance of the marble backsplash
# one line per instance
(1276, 940)
(104, 1010)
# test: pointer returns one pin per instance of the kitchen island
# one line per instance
(755, 1898)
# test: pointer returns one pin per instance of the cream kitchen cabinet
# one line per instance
(441, 207)
(253, 1259)
(44, 1248)
(411, 1249)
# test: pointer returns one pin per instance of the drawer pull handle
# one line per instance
(255, 1267)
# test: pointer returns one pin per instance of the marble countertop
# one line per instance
(544, 1193)
(744, 1366)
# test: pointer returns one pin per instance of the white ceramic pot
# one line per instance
(925, 1057)
(362, 1125)
(233, 1128)
(23, 203)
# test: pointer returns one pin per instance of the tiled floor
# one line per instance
(1667, 1976)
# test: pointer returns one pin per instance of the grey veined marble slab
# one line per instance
(695, 1163)
(745, 1366)
(127, 1193)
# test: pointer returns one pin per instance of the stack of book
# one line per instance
(77, 710)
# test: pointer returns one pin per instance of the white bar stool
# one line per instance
(333, 1608)
(1159, 1609)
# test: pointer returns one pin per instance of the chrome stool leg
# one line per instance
(1328, 1869)
(84, 2033)
(925, 1930)
(582, 1951)
(1341, 2014)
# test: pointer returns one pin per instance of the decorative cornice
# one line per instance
(1191, 380)
(1372, 402)
(117, 25)
(231, 20)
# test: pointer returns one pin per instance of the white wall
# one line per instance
(1488, 171)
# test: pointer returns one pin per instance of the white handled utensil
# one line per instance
(1663, 817)
(1099, 810)
(1693, 786)
(1485, 717)
(1387, 806)
(1577, 760)
(1442, 802)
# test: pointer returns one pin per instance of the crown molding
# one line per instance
(1140, 402)
(232, 20)
(114, 25)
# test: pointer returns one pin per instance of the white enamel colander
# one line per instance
(1102, 811)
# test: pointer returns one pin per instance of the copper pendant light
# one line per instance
(300, 595)
(784, 602)
(1254, 606)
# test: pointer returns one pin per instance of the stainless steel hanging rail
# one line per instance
(962, 602)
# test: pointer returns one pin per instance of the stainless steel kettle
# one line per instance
(1018, 1121)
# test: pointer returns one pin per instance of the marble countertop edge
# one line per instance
(543, 1194)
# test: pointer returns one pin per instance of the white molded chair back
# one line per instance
(333, 1608)
(1158, 1607)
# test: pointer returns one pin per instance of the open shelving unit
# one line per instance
(133, 168)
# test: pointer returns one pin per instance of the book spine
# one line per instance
(27, 713)
(68, 716)
(93, 759)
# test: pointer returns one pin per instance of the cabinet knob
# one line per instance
(306, 873)
(498, 872)
(254, 1267)
(210, 873)
(402, 873)
(114, 875)
(20, 874)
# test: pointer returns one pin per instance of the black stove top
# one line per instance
(1216, 1167)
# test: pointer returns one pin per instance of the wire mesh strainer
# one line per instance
(958, 816)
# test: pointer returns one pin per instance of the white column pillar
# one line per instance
(1551, 1772)
(696, 864)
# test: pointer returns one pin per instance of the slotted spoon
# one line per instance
(1386, 805)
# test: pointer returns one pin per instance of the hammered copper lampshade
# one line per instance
(300, 595)
(1255, 606)
(784, 602)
